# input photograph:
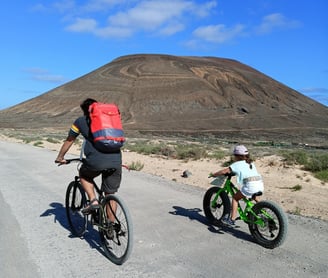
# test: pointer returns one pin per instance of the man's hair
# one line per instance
(85, 105)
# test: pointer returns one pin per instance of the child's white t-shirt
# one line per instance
(249, 180)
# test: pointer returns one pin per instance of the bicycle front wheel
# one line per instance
(75, 201)
(116, 230)
(216, 206)
(271, 230)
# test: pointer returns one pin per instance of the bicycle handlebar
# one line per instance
(226, 175)
(68, 161)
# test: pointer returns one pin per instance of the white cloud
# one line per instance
(101, 5)
(318, 94)
(218, 33)
(172, 29)
(314, 89)
(64, 6)
(83, 25)
(49, 78)
(40, 74)
(38, 8)
(205, 9)
(155, 16)
(150, 14)
(275, 21)
(116, 32)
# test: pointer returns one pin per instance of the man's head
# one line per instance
(85, 105)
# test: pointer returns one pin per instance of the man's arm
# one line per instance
(64, 149)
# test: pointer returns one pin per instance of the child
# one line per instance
(248, 179)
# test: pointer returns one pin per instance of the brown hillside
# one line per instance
(170, 94)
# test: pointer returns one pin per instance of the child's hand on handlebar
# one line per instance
(211, 175)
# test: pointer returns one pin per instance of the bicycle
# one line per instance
(112, 218)
(266, 221)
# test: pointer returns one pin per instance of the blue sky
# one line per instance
(45, 44)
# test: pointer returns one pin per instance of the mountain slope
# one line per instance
(171, 94)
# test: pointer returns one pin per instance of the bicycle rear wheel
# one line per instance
(115, 229)
(273, 231)
(75, 201)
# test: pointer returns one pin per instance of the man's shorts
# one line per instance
(109, 183)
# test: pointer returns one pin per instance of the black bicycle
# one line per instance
(112, 218)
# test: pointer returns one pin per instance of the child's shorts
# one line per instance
(252, 185)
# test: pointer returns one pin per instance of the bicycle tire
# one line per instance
(75, 200)
(222, 206)
(116, 236)
(274, 231)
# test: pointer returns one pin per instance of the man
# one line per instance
(95, 162)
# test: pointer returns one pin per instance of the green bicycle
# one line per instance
(266, 220)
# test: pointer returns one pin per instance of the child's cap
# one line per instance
(240, 150)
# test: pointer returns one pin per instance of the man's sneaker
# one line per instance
(228, 221)
(91, 207)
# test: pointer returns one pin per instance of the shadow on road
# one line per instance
(91, 235)
(59, 212)
(194, 214)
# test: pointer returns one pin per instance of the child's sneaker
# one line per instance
(228, 221)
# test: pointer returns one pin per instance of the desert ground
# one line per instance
(280, 179)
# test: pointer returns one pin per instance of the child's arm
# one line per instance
(221, 172)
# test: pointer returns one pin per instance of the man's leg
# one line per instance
(110, 184)
(89, 189)
(111, 210)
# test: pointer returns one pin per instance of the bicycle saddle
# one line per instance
(257, 194)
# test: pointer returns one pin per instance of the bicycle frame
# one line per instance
(100, 197)
(231, 190)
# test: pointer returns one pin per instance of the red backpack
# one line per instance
(106, 127)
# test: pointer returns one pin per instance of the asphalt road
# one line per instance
(171, 235)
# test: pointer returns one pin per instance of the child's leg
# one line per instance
(235, 200)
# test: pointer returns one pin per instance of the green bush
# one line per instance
(178, 151)
(322, 175)
(53, 140)
(317, 163)
(217, 154)
(38, 144)
(296, 187)
(190, 152)
(136, 166)
(144, 148)
(314, 162)
(295, 157)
